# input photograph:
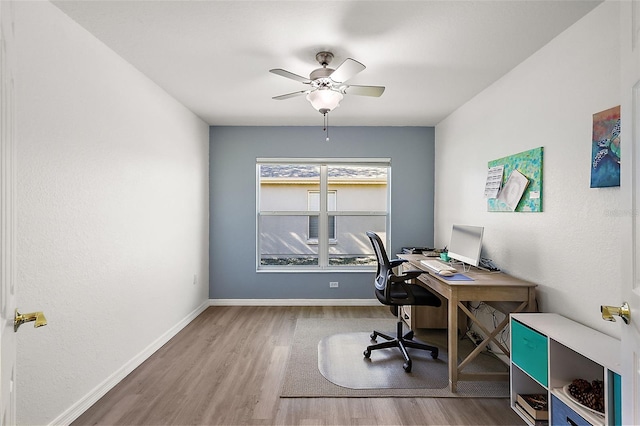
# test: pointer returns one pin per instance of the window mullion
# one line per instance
(323, 234)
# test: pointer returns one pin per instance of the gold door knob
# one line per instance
(623, 311)
(20, 319)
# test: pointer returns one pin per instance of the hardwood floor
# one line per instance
(227, 366)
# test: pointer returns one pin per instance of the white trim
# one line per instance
(323, 237)
(294, 302)
(77, 409)
(323, 242)
(8, 215)
(307, 160)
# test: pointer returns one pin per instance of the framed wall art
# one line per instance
(522, 183)
(605, 148)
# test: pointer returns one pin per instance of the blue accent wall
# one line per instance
(232, 211)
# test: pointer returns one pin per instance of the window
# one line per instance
(313, 214)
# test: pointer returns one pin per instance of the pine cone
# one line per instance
(579, 387)
(588, 394)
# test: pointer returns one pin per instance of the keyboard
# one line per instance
(437, 266)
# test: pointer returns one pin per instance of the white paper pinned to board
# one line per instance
(513, 189)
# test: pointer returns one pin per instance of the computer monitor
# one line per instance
(466, 243)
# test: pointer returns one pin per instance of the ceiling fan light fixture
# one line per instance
(325, 100)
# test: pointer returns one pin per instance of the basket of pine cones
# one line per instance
(589, 394)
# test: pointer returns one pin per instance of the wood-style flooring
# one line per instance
(227, 366)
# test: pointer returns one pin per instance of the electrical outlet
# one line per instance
(474, 337)
(333, 284)
(195, 279)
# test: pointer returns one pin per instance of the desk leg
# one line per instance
(531, 305)
(453, 342)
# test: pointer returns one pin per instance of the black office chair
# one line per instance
(394, 290)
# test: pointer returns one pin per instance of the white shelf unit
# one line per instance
(548, 351)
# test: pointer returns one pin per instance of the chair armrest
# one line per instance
(408, 275)
(403, 281)
(397, 262)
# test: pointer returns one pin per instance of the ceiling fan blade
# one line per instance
(364, 90)
(288, 74)
(346, 70)
(290, 95)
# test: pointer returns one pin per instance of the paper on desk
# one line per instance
(494, 181)
(513, 189)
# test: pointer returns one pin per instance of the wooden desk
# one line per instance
(506, 293)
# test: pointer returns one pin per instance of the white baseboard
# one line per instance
(294, 302)
(73, 412)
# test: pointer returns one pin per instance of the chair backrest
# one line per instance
(386, 279)
(384, 267)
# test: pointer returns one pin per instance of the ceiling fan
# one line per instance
(327, 86)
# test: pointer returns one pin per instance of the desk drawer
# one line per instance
(529, 351)
(561, 414)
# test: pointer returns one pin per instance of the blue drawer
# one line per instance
(561, 414)
(529, 351)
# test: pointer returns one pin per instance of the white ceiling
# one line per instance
(432, 56)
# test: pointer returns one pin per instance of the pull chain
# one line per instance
(326, 125)
(325, 116)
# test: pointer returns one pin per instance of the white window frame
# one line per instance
(323, 241)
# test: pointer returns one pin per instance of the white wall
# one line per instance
(112, 214)
(572, 249)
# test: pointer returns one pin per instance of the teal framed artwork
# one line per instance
(605, 148)
(521, 189)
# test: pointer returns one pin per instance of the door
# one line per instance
(630, 187)
(7, 220)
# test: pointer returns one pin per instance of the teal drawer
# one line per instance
(529, 351)
(615, 399)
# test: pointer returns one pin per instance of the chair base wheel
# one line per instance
(403, 342)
